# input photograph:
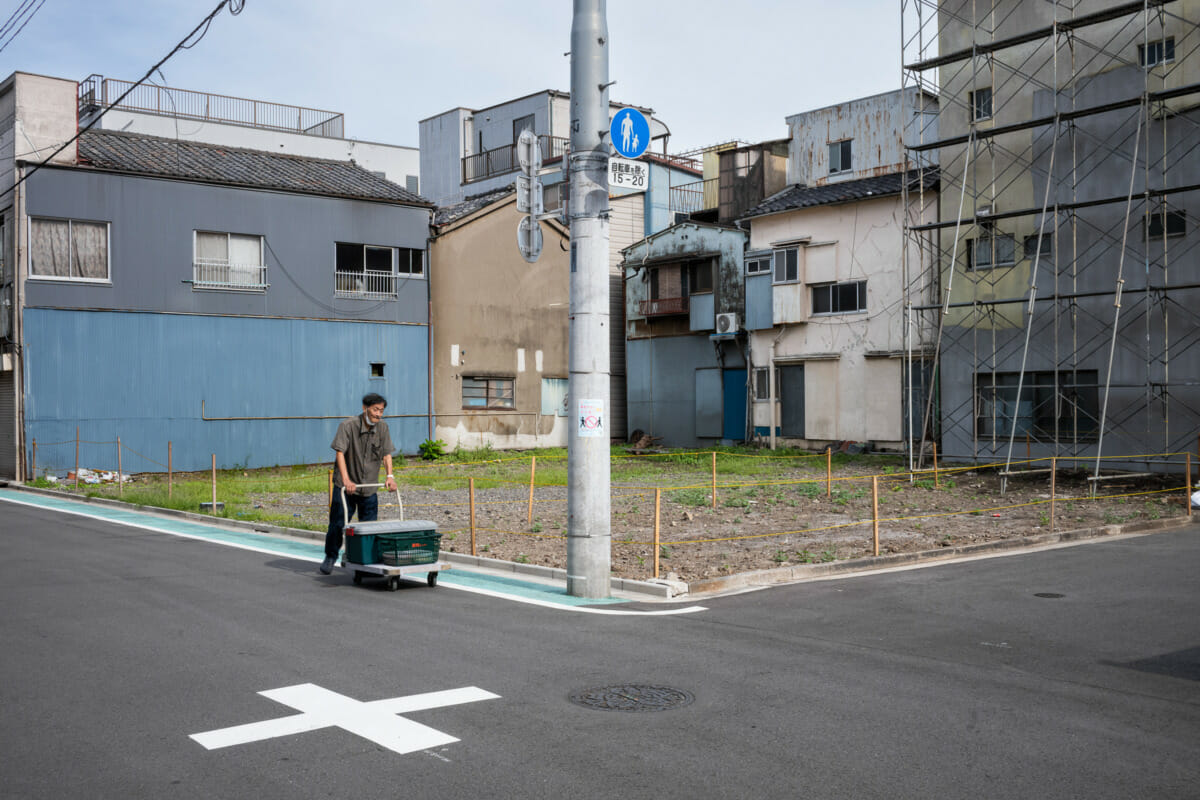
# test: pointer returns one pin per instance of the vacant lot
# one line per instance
(771, 510)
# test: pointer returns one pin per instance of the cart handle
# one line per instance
(345, 510)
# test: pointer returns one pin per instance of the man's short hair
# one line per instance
(373, 399)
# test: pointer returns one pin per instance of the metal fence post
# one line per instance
(1053, 488)
(714, 479)
(532, 473)
(875, 510)
(657, 507)
(471, 489)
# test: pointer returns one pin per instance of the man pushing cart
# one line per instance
(387, 549)
(360, 445)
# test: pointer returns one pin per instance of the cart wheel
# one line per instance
(431, 578)
(358, 577)
(393, 583)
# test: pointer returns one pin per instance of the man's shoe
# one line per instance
(327, 566)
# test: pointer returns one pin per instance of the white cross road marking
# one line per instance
(375, 721)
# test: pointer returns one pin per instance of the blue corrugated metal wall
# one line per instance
(142, 377)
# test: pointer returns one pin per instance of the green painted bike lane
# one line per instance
(458, 578)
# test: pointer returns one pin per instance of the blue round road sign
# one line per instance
(630, 133)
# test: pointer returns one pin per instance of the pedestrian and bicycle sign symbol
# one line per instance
(375, 721)
(630, 133)
(591, 418)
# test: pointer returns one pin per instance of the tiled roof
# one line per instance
(234, 166)
(447, 214)
(799, 196)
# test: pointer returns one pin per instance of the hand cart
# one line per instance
(391, 549)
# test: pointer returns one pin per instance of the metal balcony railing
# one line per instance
(664, 306)
(97, 92)
(501, 160)
(367, 285)
(215, 274)
(692, 197)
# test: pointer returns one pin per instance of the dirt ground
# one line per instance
(788, 519)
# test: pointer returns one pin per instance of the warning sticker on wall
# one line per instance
(591, 418)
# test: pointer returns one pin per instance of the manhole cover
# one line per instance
(632, 697)
(1049, 595)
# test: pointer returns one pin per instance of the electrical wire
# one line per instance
(236, 7)
(23, 24)
(14, 17)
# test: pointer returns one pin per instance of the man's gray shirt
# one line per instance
(364, 447)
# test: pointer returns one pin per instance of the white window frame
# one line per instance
(976, 99)
(846, 146)
(1158, 49)
(411, 251)
(204, 271)
(762, 385)
(765, 264)
(365, 284)
(494, 396)
(986, 238)
(832, 288)
(775, 265)
(106, 280)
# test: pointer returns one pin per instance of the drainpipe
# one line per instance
(429, 320)
(771, 393)
(771, 383)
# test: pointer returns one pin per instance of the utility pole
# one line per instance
(589, 520)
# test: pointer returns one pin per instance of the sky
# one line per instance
(712, 70)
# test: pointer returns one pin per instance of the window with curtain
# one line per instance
(67, 249)
(228, 261)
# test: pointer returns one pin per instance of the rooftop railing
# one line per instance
(97, 92)
(692, 197)
(663, 306)
(502, 160)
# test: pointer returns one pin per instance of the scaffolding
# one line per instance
(1055, 306)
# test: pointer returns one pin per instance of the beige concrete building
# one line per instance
(825, 280)
(500, 328)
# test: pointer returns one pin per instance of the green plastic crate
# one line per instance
(398, 550)
(364, 541)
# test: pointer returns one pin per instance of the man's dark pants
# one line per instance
(365, 507)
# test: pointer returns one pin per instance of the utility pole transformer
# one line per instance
(589, 517)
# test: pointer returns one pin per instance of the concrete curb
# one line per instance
(664, 589)
(801, 572)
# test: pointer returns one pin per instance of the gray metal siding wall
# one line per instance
(251, 391)
(625, 228)
(8, 425)
(151, 234)
(759, 313)
(662, 386)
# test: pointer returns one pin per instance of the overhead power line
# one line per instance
(23, 24)
(12, 19)
(235, 8)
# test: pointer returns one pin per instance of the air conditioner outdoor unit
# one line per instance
(727, 323)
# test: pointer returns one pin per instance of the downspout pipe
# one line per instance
(429, 320)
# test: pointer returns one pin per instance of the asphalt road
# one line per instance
(955, 681)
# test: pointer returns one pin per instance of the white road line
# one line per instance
(376, 721)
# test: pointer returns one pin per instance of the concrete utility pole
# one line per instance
(589, 521)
